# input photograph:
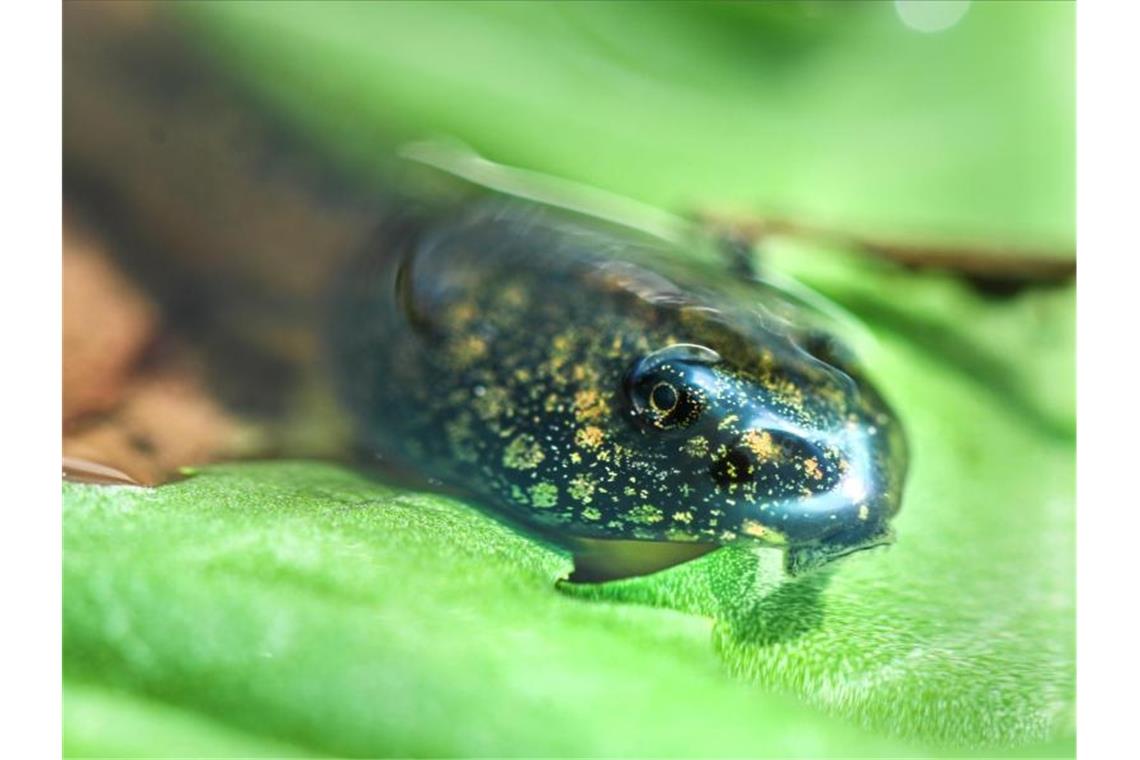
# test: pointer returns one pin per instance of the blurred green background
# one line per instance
(836, 112)
(296, 608)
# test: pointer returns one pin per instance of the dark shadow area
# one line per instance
(791, 610)
(744, 590)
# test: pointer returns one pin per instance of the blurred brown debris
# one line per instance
(134, 407)
(107, 326)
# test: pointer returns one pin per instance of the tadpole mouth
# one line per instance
(805, 558)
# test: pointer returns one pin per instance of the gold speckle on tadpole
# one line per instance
(683, 517)
(582, 488)
(513, 296)
(523, 453)
(863, 512)
(645, 514)
(754, 529)
(697, 446)
(784, 389)
(494, 402)
(462, 313)
(589, 405)
(583, 373)
(589, 437)
(468, 350)
(591, 513)
(761, 444)
(543, 495)
(728, 421)
(811, 467)
(615, 347)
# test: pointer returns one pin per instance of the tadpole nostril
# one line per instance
(775, 464)
(738, 465)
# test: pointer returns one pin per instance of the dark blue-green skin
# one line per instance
(531, 359)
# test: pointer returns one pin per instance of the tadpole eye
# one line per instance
(664, 387)
(662, 400)
(664, 397)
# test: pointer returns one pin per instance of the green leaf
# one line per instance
(104, 722)
(306, 604)
(260, 609)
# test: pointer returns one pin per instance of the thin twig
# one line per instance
(1008, 265)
